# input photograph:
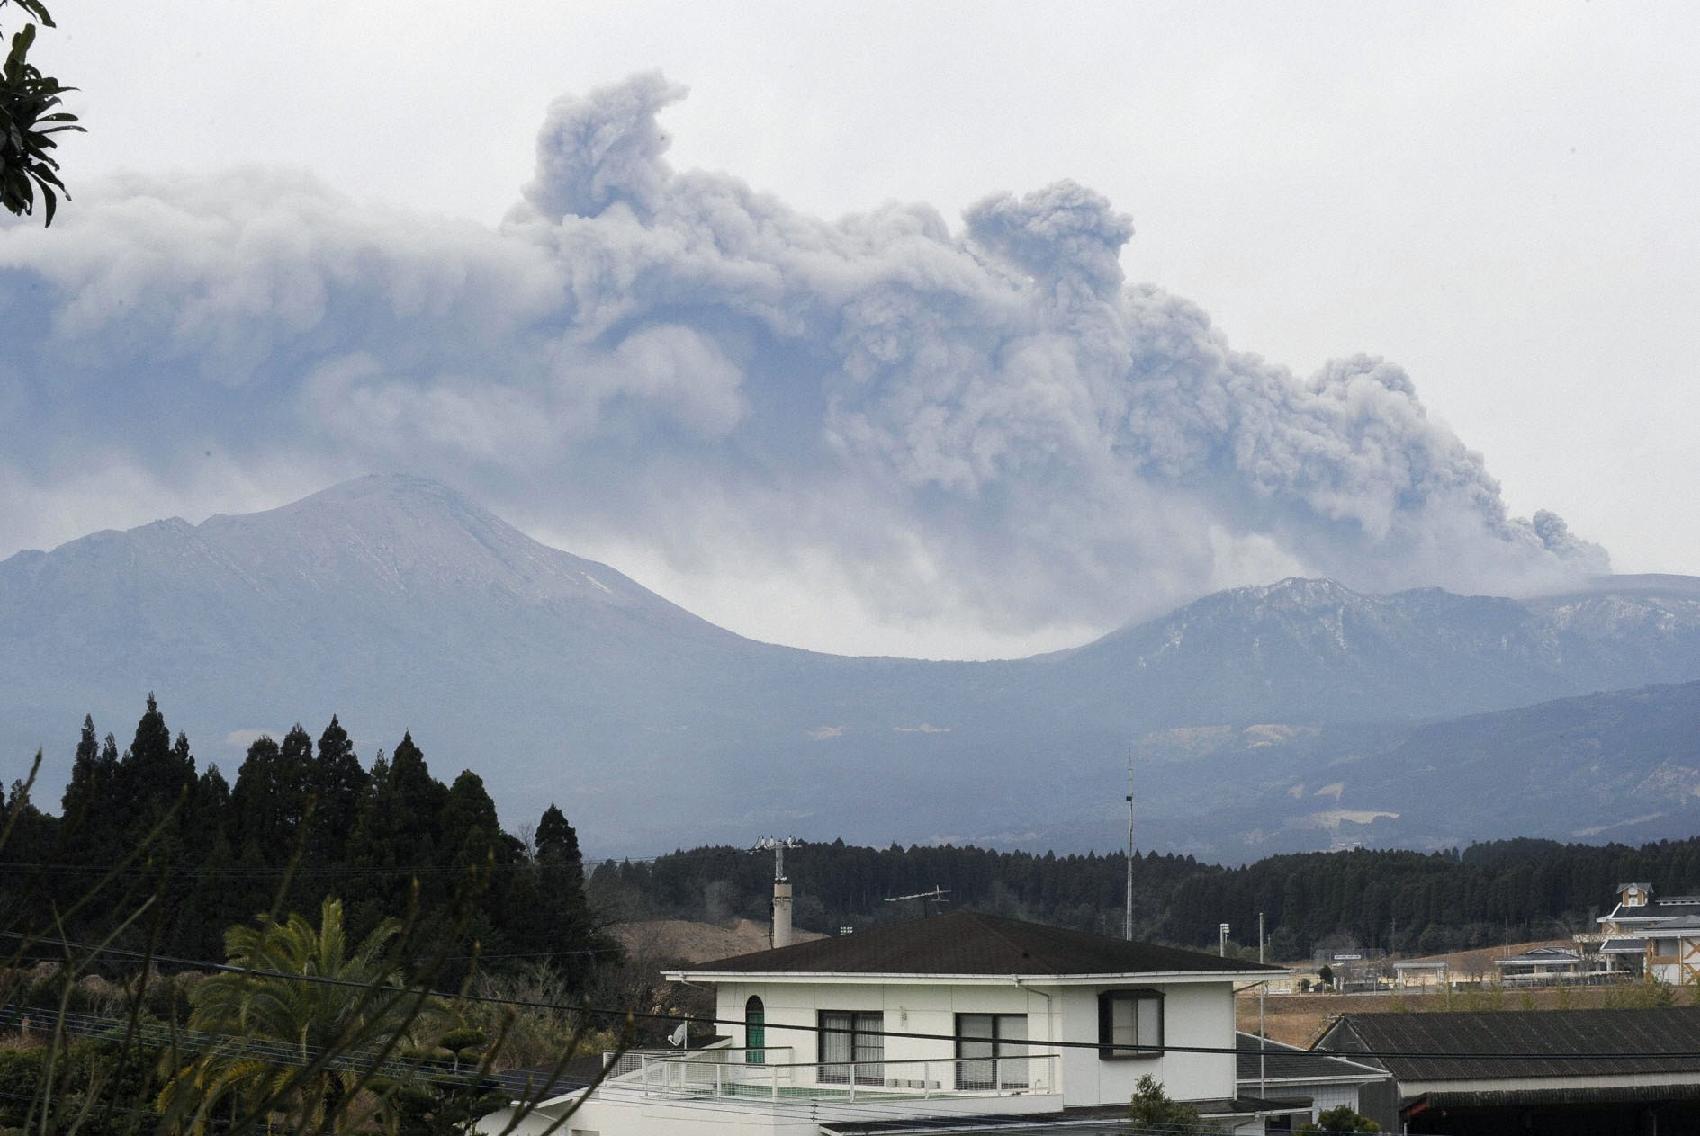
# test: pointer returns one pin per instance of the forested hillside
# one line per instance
(1487, 893)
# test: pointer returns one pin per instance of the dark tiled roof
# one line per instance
(1544, 1043)
(1278, 1062)
(1539, 955)
(966, 942)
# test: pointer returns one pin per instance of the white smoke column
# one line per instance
(985, 423)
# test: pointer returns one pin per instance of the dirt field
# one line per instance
(685, 941)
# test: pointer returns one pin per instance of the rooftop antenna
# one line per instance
(777, 845)
(781, 932)
(1127, 913)
(927, 898)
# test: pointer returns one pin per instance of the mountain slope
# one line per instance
(1620, 765)
(397, 604)
(1309, 650)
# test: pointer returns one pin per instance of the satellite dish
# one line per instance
(678, 1036)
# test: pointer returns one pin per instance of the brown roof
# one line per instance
(966, 942)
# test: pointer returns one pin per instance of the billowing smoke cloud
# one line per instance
(984, 422)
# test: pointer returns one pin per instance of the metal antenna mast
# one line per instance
(778, 844)
(1127, 914)
(927, 898)
(781, 934)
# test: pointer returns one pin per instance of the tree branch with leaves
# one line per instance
(30, 116)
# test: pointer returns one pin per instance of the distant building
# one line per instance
(1658, 937)
(1355, 969)
(1540, 966)
(1421, 974)
(1267, 1068)
(1552, 1079)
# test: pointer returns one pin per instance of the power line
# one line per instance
(912, 1035)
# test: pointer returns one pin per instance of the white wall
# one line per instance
(1195, 1014)
(1201, 1015)
(907, 1009)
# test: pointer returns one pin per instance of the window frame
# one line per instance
(1106, 1023)
(999, 1045)
(851, 1072)
(755, 1030)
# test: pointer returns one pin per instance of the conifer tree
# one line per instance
(400, 829)
(469, 822)
(414, 800)
(563, 923)
(337, 784)
(294, 782)
(93, 822)
(261, 834)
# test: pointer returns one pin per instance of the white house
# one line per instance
(1656, 936)
(989, 1022)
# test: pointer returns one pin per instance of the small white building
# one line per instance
(1540, 966)
(1271, 1069)
(1422, 974)
(970, 1017)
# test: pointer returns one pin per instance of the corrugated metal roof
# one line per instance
(1266, 1057)
(966, 942)
(1536, 1044)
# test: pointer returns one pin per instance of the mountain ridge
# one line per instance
(400, 604)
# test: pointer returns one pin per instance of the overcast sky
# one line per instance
(1499, 199)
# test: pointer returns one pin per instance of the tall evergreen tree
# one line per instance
(469, 825)
(399, 832)
(155, 776)
(557, 845)
(94, 820)
(414, 800)
(337, 784)
(295, 782)
(563, 922)
(262, 834)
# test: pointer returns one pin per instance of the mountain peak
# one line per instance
(1302, 590)
(407, 535)
(376, 493)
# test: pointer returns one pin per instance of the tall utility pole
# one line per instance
(780, 935)
(1262, 1023)
(1127, 914)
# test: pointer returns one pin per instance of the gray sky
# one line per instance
(1499, 199)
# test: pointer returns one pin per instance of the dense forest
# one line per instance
(306, 820)
(1411, 902)
(303, 822)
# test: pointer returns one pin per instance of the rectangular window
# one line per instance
(852, 1044)
(1130, 1018)
(991, 1051)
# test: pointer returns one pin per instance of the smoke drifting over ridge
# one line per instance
(986, 424)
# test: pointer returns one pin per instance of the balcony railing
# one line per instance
(725, 1073)
(621, 1063)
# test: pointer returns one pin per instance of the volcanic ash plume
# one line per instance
(982, 421)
